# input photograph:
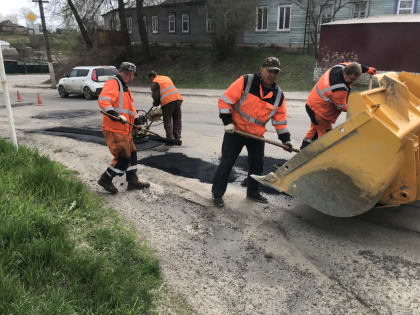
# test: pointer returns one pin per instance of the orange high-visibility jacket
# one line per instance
(328, 97)
(114, 98)
(168, 91)
(250, 109)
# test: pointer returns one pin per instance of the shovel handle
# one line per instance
(117, 118)
(265, 140)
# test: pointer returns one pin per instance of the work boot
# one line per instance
(170, 141)
(178, 142)
(218, 201)
(257, 197)
(138, 185)
(106, 182)
(304, 144)
(133, 181)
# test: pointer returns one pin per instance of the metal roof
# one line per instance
(392, 18)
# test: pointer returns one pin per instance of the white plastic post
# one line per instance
(7, 100)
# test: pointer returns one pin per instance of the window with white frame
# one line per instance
(171, 23)
(210, 22)
(261, 23)
(284, 14)
(360, 9)
(405, 6)
(185, 18)
(130, 24)
(155, 25)
(327, 13)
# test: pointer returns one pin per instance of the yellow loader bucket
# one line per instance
(373, 157)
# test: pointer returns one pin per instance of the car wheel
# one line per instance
(62, 92)
(87, 93)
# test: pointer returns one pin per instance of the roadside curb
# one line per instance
(215, 96)
(32, 86)
(137, 91)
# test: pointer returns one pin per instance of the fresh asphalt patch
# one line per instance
(65, 114)
(182, 165)
(185, 166)
(17, 105)
(96, 136)
(174, 163)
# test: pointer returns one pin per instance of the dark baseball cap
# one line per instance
(271, 63)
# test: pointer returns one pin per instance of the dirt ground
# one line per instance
(246, 258)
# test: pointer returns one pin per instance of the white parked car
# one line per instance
(88, 81)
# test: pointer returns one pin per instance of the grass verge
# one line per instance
(198, 68)
(61, 250)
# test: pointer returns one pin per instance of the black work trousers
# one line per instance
(172, 120)
(231, 148)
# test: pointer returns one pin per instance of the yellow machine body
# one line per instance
(373, 157)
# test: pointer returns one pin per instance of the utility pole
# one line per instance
(47, 43)
(7, 100)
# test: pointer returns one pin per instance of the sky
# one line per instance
(8, 7)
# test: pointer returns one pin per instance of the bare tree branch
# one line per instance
(229, 18)
(82, 28)
(319, 12)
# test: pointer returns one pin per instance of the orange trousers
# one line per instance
(317, 131)
(124, 152)
(319, 126)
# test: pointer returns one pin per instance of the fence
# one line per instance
(13, 66)
(106, 38)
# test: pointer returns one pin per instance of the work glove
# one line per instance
(122, 119)
(289, 145)
(284, 137)
(113, 115)
(371, 71)
(229, 128)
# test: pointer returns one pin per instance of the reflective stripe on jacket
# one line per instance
(114, 98)
(328, 97)
(250, 109)
(168, 91)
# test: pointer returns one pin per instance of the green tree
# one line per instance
(230, 18)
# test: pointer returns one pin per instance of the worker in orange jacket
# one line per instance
(247, 105)
(165, 94)
(328, 97)
(117, 101)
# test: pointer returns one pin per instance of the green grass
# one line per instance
(61, 250)
(67, 42)
(198, 67)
